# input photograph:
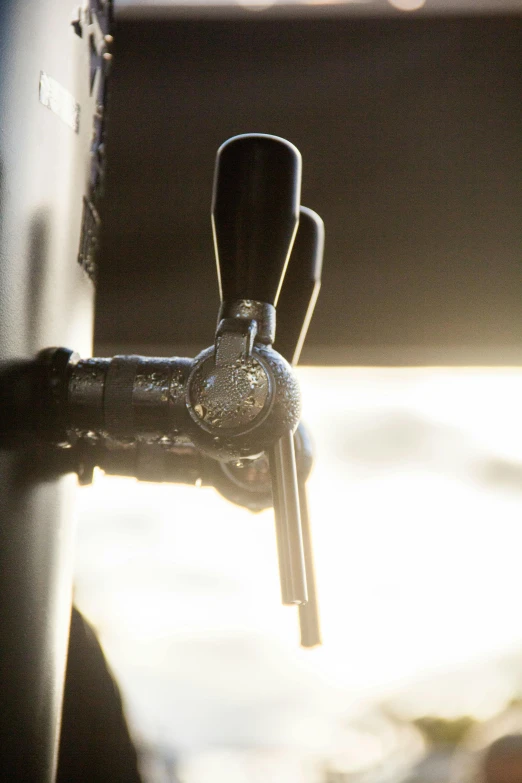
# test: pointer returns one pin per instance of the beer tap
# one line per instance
(229, 415)
(238, 398)
(252, 256)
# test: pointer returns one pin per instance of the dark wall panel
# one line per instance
(411, 135)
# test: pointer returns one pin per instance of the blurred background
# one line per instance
(409, 118)
(415, 503)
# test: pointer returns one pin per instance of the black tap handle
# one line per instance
(295, 309)
(255, 212)
(300, 286)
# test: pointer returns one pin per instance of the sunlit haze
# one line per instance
(415, 502)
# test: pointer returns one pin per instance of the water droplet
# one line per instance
(165, 440)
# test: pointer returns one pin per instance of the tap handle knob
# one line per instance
(255, 213)
(300, 286)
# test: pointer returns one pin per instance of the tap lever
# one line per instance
(301, 286)
(295, 309)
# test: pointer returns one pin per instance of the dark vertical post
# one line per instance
(46, 299)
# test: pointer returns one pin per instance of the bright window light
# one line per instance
(415, 501)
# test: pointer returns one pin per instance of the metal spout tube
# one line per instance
(309, 621)
(283, 547)
(288, 521)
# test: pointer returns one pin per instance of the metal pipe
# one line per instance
(288, 520)
(309, 621)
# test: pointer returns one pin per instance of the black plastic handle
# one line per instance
(255, 212)
(294, 312)
(300, 286)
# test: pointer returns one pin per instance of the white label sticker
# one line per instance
(59, 101)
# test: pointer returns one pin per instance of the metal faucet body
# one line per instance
(228, 416)
(234, 400)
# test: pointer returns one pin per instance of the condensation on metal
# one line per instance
(230, 411)
(231, 396)
(262, 313)
(86, 384)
